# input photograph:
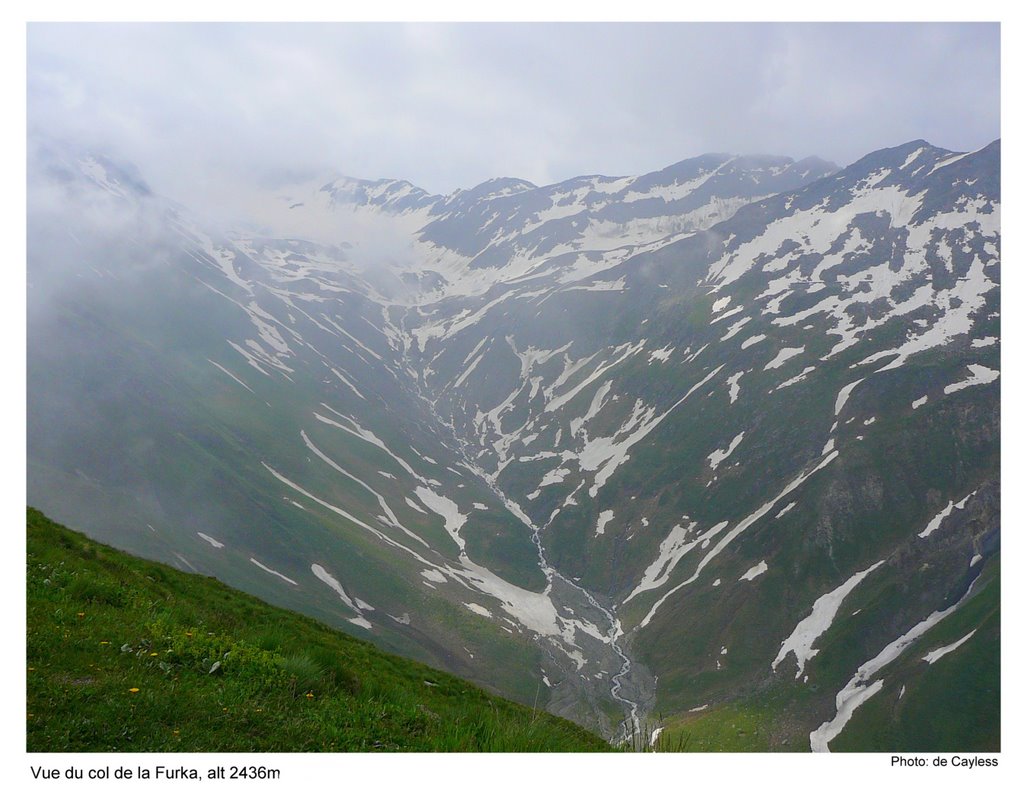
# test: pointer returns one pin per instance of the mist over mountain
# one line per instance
(712, 445)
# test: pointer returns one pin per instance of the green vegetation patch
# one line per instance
(129, 655)
(728, 728)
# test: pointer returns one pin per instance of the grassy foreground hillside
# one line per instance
(130, 655)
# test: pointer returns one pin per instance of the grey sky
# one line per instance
(204, 108)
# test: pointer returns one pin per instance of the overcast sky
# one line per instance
(203, 109)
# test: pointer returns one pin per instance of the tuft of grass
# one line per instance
(335, 670)
(651, 738)
(305, 675)
(90, 590)
(272, 638)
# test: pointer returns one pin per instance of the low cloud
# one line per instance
(208, 111)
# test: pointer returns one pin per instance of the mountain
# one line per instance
(719, 442)
(502, 229)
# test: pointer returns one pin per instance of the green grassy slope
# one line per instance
(130, 655)
(951, 705)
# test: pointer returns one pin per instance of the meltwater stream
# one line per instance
(590, 634)
(635, 706)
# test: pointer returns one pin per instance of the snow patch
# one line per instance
(734, 387)
(785, 510)
(273, 572)
(673, 548)
(942, 651)
(448, 510)
(236, 379)
(735, 328)
(661, 354)
(844, 395)
(936, 521)
(980, 375)
(823, 613)
(715, 458)
(753, 572)
(794, 380)
(784, 354)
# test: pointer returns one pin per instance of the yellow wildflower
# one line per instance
(133, 690)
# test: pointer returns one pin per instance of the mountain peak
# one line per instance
(498, 187)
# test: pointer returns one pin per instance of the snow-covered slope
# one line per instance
(464, 243)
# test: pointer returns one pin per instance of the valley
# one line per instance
(642, 451)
